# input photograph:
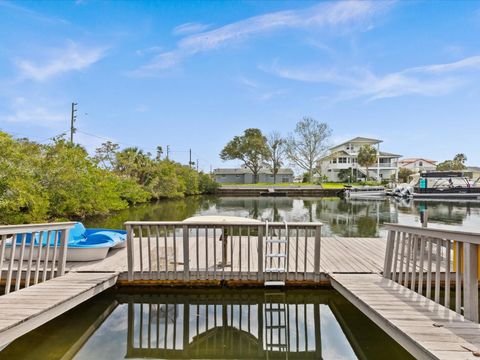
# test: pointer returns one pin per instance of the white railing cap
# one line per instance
(220, 223)
(25, 228)
(463, 236)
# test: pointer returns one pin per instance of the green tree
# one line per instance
(367, 156)
(404, 174)
(458, 163)
(105, 155)
(250, 148)
(461, 158)
(134, 163)
(276, 147)
(308, 144)
(347, 175)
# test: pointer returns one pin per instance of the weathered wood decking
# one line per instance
(27, 309)
(338, 255)
(426, 329)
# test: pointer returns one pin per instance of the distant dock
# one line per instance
(293, 190)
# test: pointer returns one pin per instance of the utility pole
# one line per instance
(168, 152)
(197, 165)
(190, 158)
(72, 121)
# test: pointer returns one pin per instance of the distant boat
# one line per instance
(440, 185)
(83, 244)
(364, 192)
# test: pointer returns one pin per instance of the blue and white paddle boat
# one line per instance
(83, 244)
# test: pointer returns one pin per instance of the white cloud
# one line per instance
(72, 58)
(189, 28)
(343, 13)
(259, 91)
(429, 80)
(22, 111)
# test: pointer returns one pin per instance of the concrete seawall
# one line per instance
(233, 190)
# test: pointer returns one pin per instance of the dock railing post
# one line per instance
(470, 294)
(387, 266)
(130, 250)
(316, 259)
(186, 256)
(62, 258)
(260, 253)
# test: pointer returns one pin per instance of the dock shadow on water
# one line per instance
(214, 324)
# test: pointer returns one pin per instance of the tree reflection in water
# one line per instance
(350, 218)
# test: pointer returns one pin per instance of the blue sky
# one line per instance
(194, 74)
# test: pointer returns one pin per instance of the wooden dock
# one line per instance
(27, 309)
(424, 328)
(338, 255)
(403, 283)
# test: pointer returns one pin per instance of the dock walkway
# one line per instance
(424, 328)
(26, 309)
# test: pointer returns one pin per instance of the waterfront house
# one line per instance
(418, 164)
(344, 157)
(244, 175)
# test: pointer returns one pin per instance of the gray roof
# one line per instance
(473, 168)
(359, 139)
(382, 153)
(241, 171)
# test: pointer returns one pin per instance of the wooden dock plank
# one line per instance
(338, 255)
(26, 309)
(409, 318)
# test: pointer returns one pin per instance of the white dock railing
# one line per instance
(166, 250)
(32, 253)
(419, 258)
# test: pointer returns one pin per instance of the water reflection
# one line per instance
(218, 324)
(352, 218)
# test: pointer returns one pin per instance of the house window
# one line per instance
(334, 161)
(342, 160)
(420, 163)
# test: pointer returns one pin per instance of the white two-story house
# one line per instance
(344, 157)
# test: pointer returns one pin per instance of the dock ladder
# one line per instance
(276, 325)
(276, 257)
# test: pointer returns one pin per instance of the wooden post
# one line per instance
(316, 256)
(470, 294)
(62, 258)
(387, 266)
(130, 249)
(186, 256)
(260, 254)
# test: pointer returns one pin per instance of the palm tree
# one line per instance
(461, 158)
(367, 156)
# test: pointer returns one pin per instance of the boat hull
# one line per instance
(73, 253)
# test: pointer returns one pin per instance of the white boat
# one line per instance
(365, 192)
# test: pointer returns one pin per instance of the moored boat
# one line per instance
(448, 185)
(83, 244)
(364, 192)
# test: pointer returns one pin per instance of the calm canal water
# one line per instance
(361, 218)
(213, 324)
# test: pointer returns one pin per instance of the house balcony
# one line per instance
(341, 166)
